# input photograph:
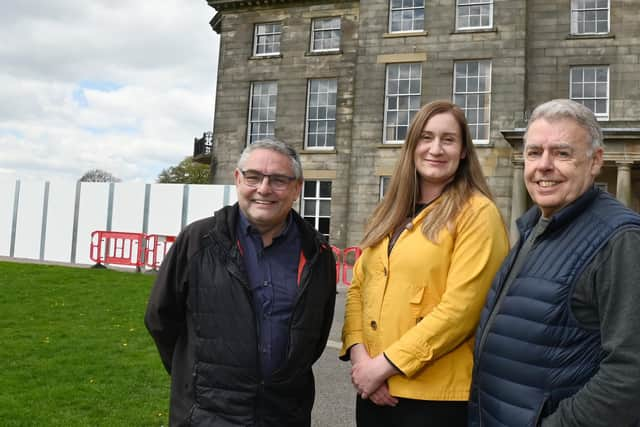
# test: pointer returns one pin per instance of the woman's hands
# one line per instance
(369, 376)
(382, 397)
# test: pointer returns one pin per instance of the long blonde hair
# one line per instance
(404, 191)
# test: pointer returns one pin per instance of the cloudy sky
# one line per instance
(119, 85)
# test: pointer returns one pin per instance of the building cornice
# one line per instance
(220, 5)
(215, 22)
(615, 139)
(514, 136)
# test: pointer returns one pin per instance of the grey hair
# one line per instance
(568, 109)
(278, 147)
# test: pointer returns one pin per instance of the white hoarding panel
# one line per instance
(7, 195)
(59, 232)
(29, 224)
(233, 195)
(128, 207)
(204, 200)
(165, 209)
(94, 201)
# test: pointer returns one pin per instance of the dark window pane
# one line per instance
(309, 189)
(324, 225)
(325, 188)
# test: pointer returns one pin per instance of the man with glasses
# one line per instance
(243, 303)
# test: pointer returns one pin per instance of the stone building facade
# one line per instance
(339, 80)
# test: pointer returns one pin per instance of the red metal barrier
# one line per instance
(156, 248)
(114, 247)
(348, 261)
(338, 254)
(139, 249)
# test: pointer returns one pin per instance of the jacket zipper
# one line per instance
(483, 338)
(233, 270)
(303, 289)
(501, 294)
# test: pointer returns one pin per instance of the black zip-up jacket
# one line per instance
(201, 316)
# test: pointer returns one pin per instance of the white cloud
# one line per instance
(112, 84)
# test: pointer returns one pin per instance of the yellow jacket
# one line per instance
(421, 305)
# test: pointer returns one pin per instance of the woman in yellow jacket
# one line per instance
(431, 249)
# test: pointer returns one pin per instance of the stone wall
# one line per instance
(529, 47)
(436, 49)
(292, 69)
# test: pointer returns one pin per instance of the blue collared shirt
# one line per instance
(273, 278)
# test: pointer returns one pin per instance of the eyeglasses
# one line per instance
(276, 181)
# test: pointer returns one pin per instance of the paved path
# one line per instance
(335, 396)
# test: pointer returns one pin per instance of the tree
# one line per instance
(98, 175)
(186, 172)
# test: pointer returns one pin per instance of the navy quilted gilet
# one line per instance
(530, 350)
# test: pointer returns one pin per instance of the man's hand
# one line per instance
(367, 375)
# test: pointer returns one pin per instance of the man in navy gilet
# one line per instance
(559, 338)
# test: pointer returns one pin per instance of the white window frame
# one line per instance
(586, 90)
(469, 95)
(333, 31)
(262, 114)
(479, 6)
(317, 198)
(385, 180)
(398, 8)
(271, 36)
(402, 105)
(325, 106)
(580, 10)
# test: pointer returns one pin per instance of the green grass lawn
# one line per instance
(74, 350)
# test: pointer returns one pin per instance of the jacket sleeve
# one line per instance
(330, 266)
(352, 327)
(479, 249)
(165, 315)
(613, 393)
